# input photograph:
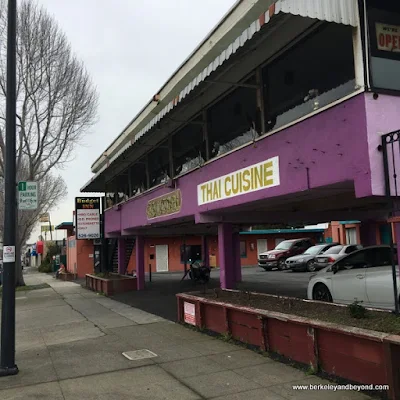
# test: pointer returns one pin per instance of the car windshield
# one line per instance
(312, 251)
(334, 250)
(286, 245)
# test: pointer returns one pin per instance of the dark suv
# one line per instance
(277, 258)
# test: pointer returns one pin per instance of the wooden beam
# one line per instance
(260, 98)
(244, 85)
(129, 181)
(171, 158)
(205, 134)
(147, 173)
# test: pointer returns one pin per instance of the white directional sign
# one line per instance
(9, 254)
(27, 195)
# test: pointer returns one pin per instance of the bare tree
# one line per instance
(56, 103)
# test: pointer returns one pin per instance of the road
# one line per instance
(159, 296)
(285, 283)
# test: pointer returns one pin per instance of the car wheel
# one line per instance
(322, 293)
(282, 264)
(311, 266)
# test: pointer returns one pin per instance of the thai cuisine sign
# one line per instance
(256, 177)
(388, 37)
(87, 218)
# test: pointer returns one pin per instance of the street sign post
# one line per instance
(27, 195)
(7, 346)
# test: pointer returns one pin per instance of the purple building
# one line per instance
(278, 116)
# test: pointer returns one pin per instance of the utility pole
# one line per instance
(7, 364)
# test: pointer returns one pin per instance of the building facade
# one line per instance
(285, 113)
(168, 254)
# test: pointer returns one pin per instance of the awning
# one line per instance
(65, 226)
(338, 11)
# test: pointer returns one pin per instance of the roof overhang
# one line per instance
(65, 226)
(222, 35)
(238, 27)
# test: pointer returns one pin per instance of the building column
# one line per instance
(204, 250)
(139, 250)
(237, 260)
(395, 226)
(121, 255)
(226, 262)
(368, 230)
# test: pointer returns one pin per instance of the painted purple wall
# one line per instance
(112, 221)
(332, 144)
(383, 116)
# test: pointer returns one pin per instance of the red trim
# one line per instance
(261, 19)
(271, 10)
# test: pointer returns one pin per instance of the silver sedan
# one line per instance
(335, 253)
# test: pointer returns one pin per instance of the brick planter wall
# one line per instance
(67, 277)
(357, 355)
(111, 286)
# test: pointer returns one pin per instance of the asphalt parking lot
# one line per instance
(159, 296)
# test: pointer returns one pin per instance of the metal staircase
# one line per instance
(130, 245)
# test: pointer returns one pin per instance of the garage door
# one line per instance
(162, 258)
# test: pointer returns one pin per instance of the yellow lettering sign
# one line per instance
(164, 205)
(250, 179)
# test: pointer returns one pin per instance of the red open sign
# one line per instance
(388, 37)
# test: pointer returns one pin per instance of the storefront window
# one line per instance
(159, 165)
(316, 72)
(138, 178)
(188, 148)
(384, 34)
(190, 253)
(232, 122)
(110, 200)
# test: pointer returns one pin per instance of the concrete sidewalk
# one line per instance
(70, 345)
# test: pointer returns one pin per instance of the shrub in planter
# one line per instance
(348, 342)
(357, 310)
(45, 267)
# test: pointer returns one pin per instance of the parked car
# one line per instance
(364, 276)
(333, 254)
(306, 261)
(277, 258)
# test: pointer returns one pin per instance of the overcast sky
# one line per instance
(130, 48)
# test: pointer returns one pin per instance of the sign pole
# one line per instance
(7, 364)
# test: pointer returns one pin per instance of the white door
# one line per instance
(349, 283)
(262, 246)
(162, 258)
(351, 236)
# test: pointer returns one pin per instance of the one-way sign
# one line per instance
(27, 195)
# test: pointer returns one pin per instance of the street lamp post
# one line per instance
(7, 364)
